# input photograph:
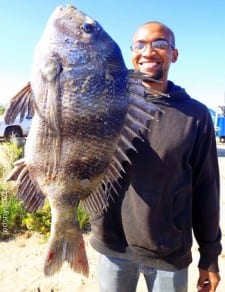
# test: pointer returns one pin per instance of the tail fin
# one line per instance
(67, 248)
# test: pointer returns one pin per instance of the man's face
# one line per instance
(153, 59)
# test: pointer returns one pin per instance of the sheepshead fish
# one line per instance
(87, 108)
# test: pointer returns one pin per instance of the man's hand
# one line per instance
(208, 281)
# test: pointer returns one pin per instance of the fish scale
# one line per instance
(87, 110)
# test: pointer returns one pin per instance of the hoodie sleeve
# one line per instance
(206, 198)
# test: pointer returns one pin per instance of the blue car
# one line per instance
(219, 122)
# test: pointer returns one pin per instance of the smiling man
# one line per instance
(153, 50)
(170, 189)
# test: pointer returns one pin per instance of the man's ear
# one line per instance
(174, 55)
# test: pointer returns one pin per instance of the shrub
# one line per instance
(11, 210)
(13, 216)
(39, 221)
(2, 110)
(83, 218)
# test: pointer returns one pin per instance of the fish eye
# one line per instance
(87, 27)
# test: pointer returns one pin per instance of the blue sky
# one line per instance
(199, 27)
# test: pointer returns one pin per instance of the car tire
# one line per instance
(12, 132)
(222, 139)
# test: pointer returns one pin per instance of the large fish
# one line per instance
(85, 119)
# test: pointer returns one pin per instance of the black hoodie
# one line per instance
(171, 189)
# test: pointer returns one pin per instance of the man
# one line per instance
(171, 188)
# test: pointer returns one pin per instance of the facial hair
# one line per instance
(157, 75)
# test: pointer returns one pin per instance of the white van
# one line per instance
(17, 129)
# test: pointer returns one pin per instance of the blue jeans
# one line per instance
(119, 275)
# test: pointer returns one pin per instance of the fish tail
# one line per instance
(67, 248)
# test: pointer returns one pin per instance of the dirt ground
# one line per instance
(21, 269)
(21, 262)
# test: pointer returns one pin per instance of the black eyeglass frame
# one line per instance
(155, 45)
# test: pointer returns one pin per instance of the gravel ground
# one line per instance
(21, 261)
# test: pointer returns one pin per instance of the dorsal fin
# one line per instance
(140, 111)
(20, 104)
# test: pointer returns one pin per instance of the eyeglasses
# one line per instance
(155, 45)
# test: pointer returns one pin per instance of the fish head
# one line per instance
(77, 63)
(79, 81)
(80, 40)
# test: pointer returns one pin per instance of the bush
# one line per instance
(11, 210)
(13, 216)
(83, 218)
(39, 221)
(2, 110)
(9, 153)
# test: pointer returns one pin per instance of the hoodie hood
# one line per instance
(176, 92)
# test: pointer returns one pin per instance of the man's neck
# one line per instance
(160, 85)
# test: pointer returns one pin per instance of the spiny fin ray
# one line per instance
(21, 103)
(140, 111)
(28, 191)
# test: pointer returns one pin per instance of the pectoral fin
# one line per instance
(28, 191)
